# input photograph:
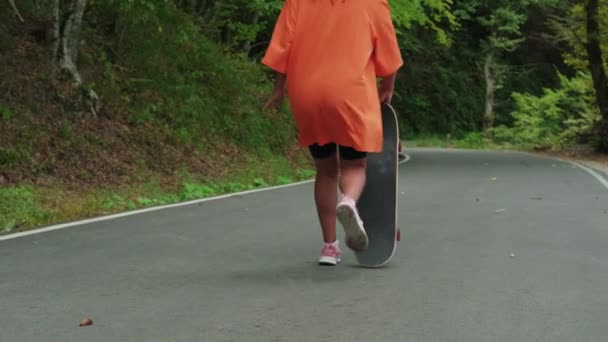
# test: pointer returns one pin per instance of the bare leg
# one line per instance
(352, 182)
(352, 179)
(326, 195)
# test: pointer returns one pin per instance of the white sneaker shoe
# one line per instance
(356, 237)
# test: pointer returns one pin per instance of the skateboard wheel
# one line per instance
(398, 234)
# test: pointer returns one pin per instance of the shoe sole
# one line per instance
(328, 261)
(356, 238)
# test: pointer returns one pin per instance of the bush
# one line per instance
(182, 80)
(556, 118)
(473, 140)
(5, 113)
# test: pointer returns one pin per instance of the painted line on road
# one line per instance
(591, 172)
(145, 210)
(157, 208)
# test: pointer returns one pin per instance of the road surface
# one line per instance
(495, 247)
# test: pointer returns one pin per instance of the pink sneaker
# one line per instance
(356, 237)
(330, 255)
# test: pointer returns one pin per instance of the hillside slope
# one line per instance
(180, 118)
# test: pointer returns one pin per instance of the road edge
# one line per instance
(596, 173)
(155, 208)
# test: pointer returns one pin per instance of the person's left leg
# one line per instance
(326, 194)
(326, 199)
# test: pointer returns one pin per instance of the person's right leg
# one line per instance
(352, 174)
(352, 182)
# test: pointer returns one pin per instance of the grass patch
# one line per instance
(472, 140)
(32, 207)
(5, 113)
(19, 208)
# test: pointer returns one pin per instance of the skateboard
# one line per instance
(377, 205)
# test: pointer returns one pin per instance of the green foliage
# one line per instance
(473, 140)
(238, 24)
(282, 180)
(306, 173)
(5, 113)
(424, 13)
(439, 91)
(144, 115)
(66, 131)
(13, 155)
(192, 191)
(567, 26)
(504, 25)
(18, 208)
(6, 40)
(554, 119)
(181, 79)
(499, 22)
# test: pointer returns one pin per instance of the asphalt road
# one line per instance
(495, 247)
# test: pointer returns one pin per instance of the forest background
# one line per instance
(112, 105)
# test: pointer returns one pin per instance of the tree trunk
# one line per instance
(12, 3)
(489, 115)
(65, 33)
(55, 32)
(69, 39)
(598, 73)
(76, 26)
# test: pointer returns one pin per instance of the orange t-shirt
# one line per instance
(331, 52)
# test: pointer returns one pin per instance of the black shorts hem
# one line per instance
(328, 150)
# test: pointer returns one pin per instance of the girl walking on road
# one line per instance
(327, 55)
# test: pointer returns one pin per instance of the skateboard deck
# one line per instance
(377, 205)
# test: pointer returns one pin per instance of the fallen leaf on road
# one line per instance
(86, 322)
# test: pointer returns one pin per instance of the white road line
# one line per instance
(591, 172)
(141, 211)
